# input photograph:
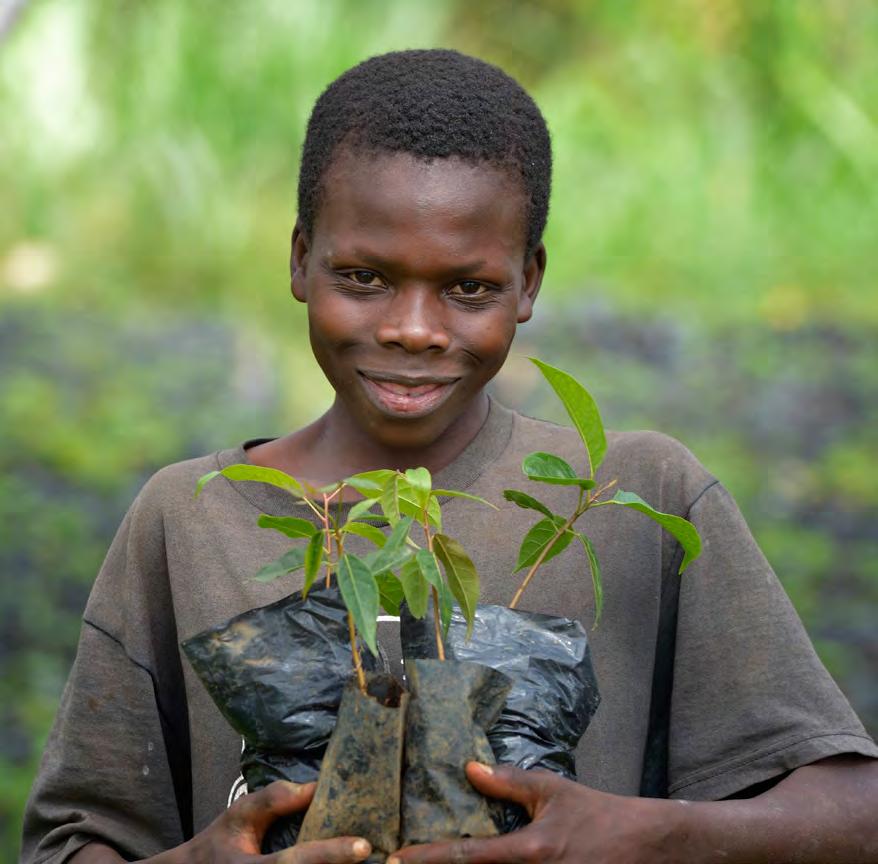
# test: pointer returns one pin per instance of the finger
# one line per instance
(256, 811)
(529, 788)
(339, 850)
(515, 848)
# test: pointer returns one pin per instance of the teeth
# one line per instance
(404, 389)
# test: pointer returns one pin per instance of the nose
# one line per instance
(414, 321)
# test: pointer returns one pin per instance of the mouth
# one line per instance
(409, 396)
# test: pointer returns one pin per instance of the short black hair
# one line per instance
(433, 103)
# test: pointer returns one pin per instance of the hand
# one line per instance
(570, 823)
(235, 836)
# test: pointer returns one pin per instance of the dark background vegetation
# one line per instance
(713, 249)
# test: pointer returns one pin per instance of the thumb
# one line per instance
(253, 813)
(529, 788)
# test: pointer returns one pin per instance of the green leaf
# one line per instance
(541, 535)
(313, 559)
(370, 532)
(361, 509)
(390, 593)
(460, 572)
(409, 505)
(451, 493)
(683, 530)
(582, 410)
(394, 553)
(291, 526)
(548, 468)
(204, 480)
(446, 605)
(415, 587)
(420, 482)
(390, 499)
(429, 568)
(595, 569)
(360, 594)
(256, 474)
(289, 561)
(370, 484)
(527, 502)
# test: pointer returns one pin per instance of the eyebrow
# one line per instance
(379, 263)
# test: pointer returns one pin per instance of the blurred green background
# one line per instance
(713, 245)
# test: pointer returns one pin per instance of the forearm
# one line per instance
(822, 813)
(96, 853)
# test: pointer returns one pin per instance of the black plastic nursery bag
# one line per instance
(452, 705)
(554, 691)
(277, 674)
(358, 793)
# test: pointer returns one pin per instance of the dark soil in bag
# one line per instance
(554, 691)
(452, 705)
(277, 674)
(358, 793)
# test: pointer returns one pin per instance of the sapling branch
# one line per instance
(437, 623)
(358, 663)
(542, 556)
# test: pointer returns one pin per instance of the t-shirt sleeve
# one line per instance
(750, 698)
(114, 767)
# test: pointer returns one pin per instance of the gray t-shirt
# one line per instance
(140, 757)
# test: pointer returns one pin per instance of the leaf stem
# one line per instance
(437, 623)
(358, 663)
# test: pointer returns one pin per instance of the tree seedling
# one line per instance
(398, 567)
(554, 533)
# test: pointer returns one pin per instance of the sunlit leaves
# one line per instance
(256, 474)
(684, 531)
(420, 484)
(370, 532)
(360, 594)
(541, 535)
(582, 410)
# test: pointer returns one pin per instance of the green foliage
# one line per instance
(582, 410)
(546, 468)
(683, 531)
(553, 534)
(360, 592)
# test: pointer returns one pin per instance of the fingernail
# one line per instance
(485, 769)
(393, 860)
(293, 787)
(362, 848)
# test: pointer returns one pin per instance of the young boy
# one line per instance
(422, 200)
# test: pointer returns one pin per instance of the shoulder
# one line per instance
(656, 466)
(172, 489)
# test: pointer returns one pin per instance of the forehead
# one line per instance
(399, 199)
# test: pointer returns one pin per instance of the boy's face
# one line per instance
(415, 280)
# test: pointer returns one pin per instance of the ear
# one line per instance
(534, 268)
(299, 247)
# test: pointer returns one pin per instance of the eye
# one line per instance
(470, 289)
(365, 277)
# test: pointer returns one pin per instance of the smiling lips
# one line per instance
(408, 395)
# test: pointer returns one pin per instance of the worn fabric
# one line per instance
(139, 756)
